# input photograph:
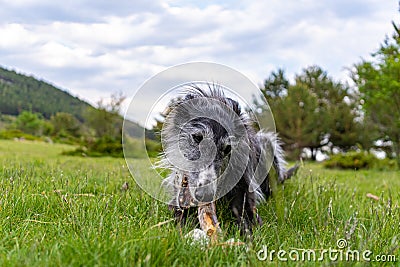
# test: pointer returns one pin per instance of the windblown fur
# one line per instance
(207, 115)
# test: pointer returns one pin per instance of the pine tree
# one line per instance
(378, 81)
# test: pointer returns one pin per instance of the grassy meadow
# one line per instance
(59, 210)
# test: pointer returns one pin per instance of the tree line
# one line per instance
(98, 134)
(25, 93)
(315, 113)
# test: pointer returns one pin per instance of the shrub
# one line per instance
(104, 146)
(107, 146)
(358, 160)
(14, 133)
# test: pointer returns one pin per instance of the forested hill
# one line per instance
(20, 92)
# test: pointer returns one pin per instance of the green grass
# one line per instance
(69, 211)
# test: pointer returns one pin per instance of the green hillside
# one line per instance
(20, 92)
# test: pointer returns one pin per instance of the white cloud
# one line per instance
(16, 36)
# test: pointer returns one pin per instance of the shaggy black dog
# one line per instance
(217, 154)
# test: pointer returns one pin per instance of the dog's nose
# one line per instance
(204, 194)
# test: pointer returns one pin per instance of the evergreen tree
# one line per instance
(29, 123)
(378, 81)
(312, 113)
(65, 124)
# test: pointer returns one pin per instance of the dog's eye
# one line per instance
(227, 149)
(197, 137)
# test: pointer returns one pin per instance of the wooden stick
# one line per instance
(208, 220)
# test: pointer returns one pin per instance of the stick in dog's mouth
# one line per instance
(207, 214)
(208, 220)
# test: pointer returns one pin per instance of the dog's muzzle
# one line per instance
(205, 188)
(197, 188)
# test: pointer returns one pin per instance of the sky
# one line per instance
(93, 49)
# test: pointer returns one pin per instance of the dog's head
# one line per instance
(204, 137)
